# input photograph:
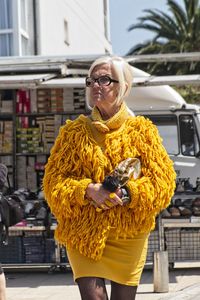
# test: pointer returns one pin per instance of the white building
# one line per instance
(54, 27)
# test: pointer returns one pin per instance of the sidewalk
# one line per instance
(41, 285)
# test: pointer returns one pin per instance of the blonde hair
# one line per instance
(123, 73)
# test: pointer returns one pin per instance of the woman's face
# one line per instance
(104, 96)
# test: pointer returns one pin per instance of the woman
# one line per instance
(106, 237)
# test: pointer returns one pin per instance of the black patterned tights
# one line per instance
(94, 288)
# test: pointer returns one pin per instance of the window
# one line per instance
(188, 135)
(6, 28)
(6, 14)
(168, 129)
(66, 32)
(6, 44)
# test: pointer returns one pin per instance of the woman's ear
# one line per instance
(126, 88)
(126, 84)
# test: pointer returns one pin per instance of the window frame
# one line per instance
(195, 136)
(66, 32)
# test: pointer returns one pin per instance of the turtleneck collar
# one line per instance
(113, 123)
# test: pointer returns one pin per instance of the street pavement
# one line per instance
(40, 284)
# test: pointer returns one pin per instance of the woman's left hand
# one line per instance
(101, 198)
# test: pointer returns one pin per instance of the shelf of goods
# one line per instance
(31, 241)
(29, 123)
(181, 231)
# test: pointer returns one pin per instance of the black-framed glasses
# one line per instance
(103, 80)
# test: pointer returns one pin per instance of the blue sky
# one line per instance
(124, 13)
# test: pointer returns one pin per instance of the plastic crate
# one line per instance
(13, 253)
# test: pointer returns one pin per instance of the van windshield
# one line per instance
(168, 129)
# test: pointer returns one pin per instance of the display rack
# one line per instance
(182, 234)
(29, 123)
(35, 245)
(32, 247)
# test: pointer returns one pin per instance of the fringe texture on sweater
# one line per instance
(76, 160)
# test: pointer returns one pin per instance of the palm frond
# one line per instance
(179, 15)
(173, 33)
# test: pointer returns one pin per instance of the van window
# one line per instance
(188, 135)
(168, 129)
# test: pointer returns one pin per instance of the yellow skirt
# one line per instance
(122, 261)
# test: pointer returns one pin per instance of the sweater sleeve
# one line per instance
(152, 192)
(62, 190)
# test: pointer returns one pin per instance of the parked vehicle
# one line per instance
(178, 123)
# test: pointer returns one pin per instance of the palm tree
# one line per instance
(177, 32)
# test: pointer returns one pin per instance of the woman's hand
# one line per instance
(102, 198)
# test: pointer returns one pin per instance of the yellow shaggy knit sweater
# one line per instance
(85, 151)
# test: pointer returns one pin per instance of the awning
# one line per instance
(64, 82)
(173, 80)
(50, 81)
(24, 81)
(143, 81)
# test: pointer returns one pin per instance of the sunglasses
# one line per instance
(102, 81)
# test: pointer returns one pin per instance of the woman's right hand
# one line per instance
(102, 198)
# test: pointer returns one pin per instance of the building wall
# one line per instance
(49, 27)
(85, 32)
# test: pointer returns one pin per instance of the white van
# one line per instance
(177, 121)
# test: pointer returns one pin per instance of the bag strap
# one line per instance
(8, 180)
(4, 234)
(1, 231)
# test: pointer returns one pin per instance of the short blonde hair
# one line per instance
(123, 73)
